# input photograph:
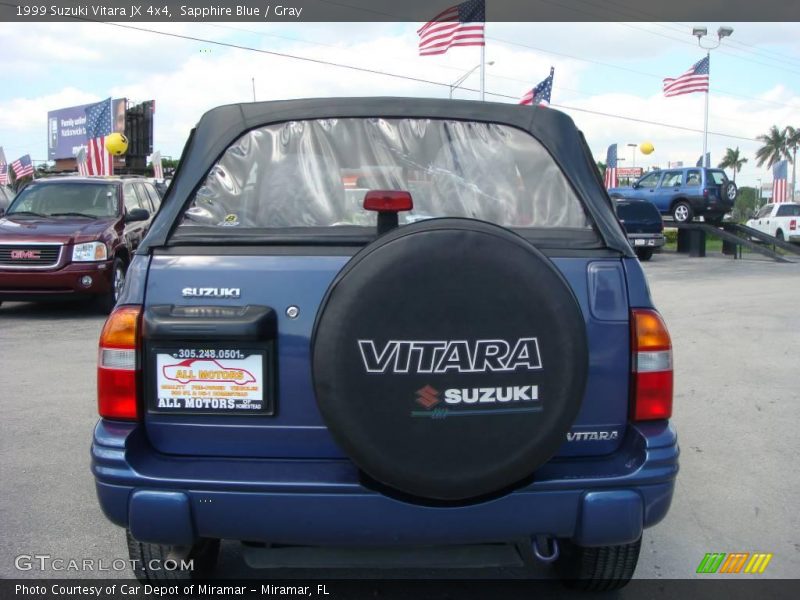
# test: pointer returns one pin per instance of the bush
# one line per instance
(671, 236)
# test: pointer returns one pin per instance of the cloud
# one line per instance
(185, 82)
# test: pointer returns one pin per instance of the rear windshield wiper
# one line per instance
(73, 214)
(25, 212)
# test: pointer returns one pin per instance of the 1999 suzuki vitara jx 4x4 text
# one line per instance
(386, 322)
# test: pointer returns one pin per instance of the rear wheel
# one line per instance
(155, 562)
(599, 569)
(780, 236)
(644, 253)
(682, 212)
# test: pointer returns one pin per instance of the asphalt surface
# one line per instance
(736, 333)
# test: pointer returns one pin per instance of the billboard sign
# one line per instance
(66, 128)
(629, 172)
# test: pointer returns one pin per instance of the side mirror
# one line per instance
(137, 214)
(635, 184)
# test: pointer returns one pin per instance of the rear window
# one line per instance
(310, 174)
(637, 211)
(718, 177)
(789, 210)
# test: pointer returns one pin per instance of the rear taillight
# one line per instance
(793, 224)
(117, 368)
(651, 377)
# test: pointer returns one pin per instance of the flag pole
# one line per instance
(483, 72)
(706, 158)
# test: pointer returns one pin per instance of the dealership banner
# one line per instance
(629, 172)
(66, 128)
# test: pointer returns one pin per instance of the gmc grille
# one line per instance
(29, 255)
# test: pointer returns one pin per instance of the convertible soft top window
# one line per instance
(315, 173)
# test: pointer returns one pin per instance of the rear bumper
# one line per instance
(62, 283)
(174, 500)
(646, 240)
(711, 205)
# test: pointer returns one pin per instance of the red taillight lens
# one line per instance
(388, 200)
(651, 377)
(793, 224)
(117, 372)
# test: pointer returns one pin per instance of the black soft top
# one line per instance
(220, 127)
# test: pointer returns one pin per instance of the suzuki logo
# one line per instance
(25, 254)
(428, 397)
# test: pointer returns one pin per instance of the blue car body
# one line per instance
(174, 478)
(706, 191)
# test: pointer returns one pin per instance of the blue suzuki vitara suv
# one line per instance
(386, 322)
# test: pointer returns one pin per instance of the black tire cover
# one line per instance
(444, 310)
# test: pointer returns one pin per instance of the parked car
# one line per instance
(6, 196)
(73, 237)
(684, 193)
(467, 354)
(643, 226)
(779, 220)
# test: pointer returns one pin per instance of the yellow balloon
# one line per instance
(116, 144)
(646, 148)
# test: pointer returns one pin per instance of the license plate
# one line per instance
(210, 381)
(639, 242)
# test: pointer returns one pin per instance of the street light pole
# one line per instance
(633, 153)
(758, 201)
(700, 33)
(463, 78)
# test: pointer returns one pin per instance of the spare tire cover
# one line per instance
(449, 359)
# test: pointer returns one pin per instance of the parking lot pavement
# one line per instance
(736, 335)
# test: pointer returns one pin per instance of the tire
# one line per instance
(780, 236)
(413, 424)
(644, 253)
(682, 212)
(731, 191)
(108, 301)
(599, 569)
(148, 560)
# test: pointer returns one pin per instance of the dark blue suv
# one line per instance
(684, 193)
(386, 322)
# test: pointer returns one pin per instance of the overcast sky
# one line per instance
(613, 68)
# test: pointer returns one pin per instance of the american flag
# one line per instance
(158, 169)
(541, 93)
(610, 178)
(779, 176)
(80, 159)
(23, 166)
(3, 168)
(459, 25)
(99, 123)
(693, 80)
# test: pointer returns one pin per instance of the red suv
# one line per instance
(73, 237)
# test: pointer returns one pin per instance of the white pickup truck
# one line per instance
(779, 220)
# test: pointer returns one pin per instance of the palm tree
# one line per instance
(774, 148)
(732, 160)
(792, 142)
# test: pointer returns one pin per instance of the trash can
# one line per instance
(697, 243)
